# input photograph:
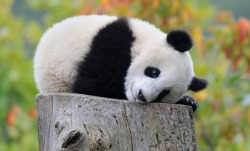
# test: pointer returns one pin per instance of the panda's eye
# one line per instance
(152, 72)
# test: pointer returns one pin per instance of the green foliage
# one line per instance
(16, 84)
(221, 54)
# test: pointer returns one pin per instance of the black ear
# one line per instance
(197, 84)
(180, 40)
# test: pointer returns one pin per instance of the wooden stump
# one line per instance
(74, 122)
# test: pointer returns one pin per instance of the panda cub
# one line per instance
(116, 57)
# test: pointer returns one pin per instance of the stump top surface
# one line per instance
(96, 98)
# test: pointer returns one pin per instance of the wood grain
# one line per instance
(74, 122)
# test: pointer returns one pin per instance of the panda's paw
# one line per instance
(187, 100)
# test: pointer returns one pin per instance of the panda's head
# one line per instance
(163, 71)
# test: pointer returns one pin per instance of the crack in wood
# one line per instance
(126, 119)
(98, 139)
(72, 139)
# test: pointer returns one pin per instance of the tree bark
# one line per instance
(74, 122)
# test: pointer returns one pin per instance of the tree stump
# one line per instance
(75, 122)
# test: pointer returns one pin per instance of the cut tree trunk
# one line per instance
(74, 122)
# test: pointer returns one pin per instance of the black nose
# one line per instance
(141, 96)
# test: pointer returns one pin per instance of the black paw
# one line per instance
(187, 100)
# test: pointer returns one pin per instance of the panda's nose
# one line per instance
(141, 96)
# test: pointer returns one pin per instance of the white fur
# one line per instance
(151, 49)
(61, 47)
(67, 42)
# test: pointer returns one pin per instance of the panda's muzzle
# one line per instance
(159, 97)
(141, 96)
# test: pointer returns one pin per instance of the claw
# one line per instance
(189, 101)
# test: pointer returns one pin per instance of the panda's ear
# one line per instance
(179, 40)
(197, 84)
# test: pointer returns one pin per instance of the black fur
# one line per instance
(179, 40)
(161, 95)
(187, 100)
(197, 84)
(141, 96)
(102, 71)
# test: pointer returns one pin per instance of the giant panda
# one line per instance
(116, 57)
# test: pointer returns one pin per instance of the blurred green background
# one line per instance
(221, 32)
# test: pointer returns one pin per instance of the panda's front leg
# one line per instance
(187, 100)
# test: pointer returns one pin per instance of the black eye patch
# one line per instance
(152, 72)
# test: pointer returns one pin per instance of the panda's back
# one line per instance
(61, 47)
(76, 31)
